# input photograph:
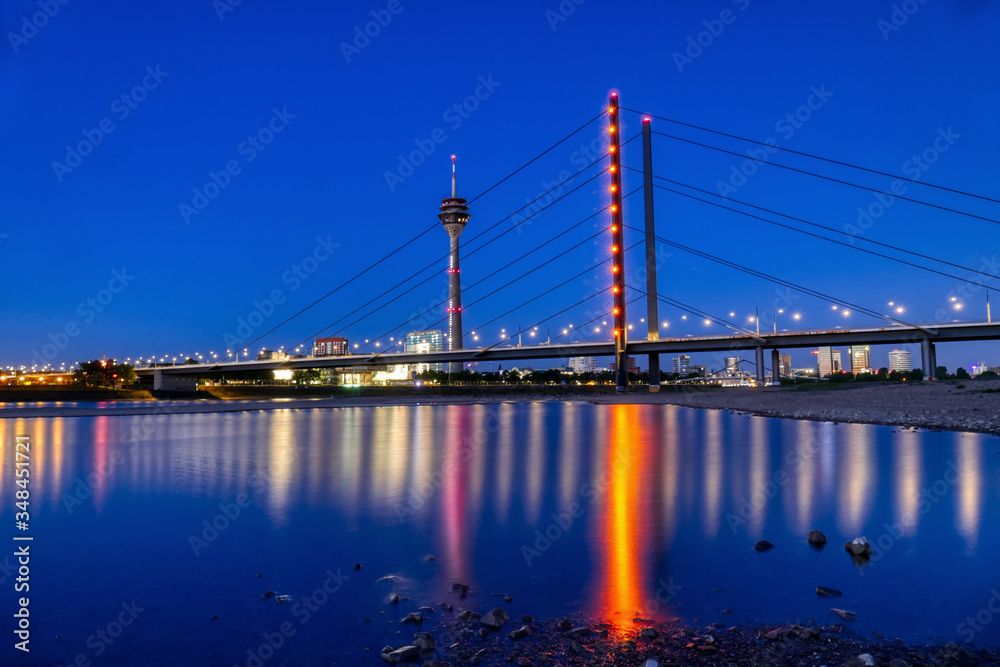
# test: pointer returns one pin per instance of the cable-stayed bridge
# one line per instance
(622, 289)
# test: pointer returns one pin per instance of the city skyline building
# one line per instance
(330, 347)
(860, 359)
(732, 365)
(418, 342)
(583, 364)
(682, 364)
(828, 361)
(899, 360)
(785, 364)
(454, 215)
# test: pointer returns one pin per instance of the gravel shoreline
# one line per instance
(472, 639)
(971, 406)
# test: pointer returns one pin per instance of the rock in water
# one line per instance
(521, 632)
(863, 660)
(403, 654)
(494, 619)
(649, 633)
(859, 548)
(817, 538)
(424, 642)
(416, 617)
(825, 592)
(844, 614)
(763, 545)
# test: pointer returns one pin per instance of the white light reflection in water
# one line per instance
(713, 473)
(504, 437)
(569, 455)
(536, 462)
(759, 494)
(858, 475)
(282, 452)
(968, 509)
(908, 455)
(671, 453)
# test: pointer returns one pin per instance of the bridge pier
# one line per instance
(760, 366)
(927, 358)
(775, 366)
(163, 382)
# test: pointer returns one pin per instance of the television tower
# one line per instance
(454, 214)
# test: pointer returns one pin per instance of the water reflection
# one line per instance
(620, 515)
(656, 487)
(969, 462)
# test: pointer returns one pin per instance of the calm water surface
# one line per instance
(568, 507)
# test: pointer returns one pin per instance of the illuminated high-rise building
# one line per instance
(454, 215)
(419, 342)
(860, 359)
(682, 364)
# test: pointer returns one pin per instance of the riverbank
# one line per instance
(465, 639)
(969, 406)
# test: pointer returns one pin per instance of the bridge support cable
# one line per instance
(832, 179)
(772, 146)
(787, 283)
(824, 238)
(680, 305)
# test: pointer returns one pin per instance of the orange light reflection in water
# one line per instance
(621, 598)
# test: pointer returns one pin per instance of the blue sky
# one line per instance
(324, 149)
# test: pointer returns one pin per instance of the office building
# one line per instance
(420, 342)
(860, 359)
(899, 360)
(583, 364)
(632, 368)
(732, 365)
(785, 364)
(828, 361)
(682, 364)
(330, 347)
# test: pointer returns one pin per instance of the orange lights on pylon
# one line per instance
(617, 245)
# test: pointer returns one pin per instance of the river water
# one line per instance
(157, 537)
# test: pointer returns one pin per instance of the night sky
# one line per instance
(168, 168)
